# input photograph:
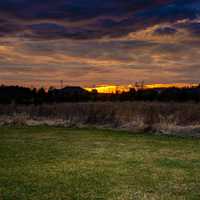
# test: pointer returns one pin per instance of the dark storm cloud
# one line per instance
(73, 10)
(86, 19)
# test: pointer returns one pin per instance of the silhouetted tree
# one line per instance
(22, 95)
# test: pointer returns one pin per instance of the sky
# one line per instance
(99, 42)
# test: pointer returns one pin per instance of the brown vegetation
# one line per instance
(166, 118)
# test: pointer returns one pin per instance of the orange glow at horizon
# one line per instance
(119, 89)
(110, 89)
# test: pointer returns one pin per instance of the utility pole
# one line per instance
(61, 84)
(142, 85)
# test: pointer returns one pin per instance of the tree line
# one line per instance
(23, 95)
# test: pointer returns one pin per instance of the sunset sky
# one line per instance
(99, 42)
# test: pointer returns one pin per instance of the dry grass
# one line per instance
(165, 118)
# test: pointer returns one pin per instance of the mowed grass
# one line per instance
(41, 163)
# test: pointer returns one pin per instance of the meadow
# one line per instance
(57, 163)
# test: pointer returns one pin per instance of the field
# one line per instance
(40, 163)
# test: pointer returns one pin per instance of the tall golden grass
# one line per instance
(155, 117)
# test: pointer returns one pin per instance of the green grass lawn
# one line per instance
(43, 163)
